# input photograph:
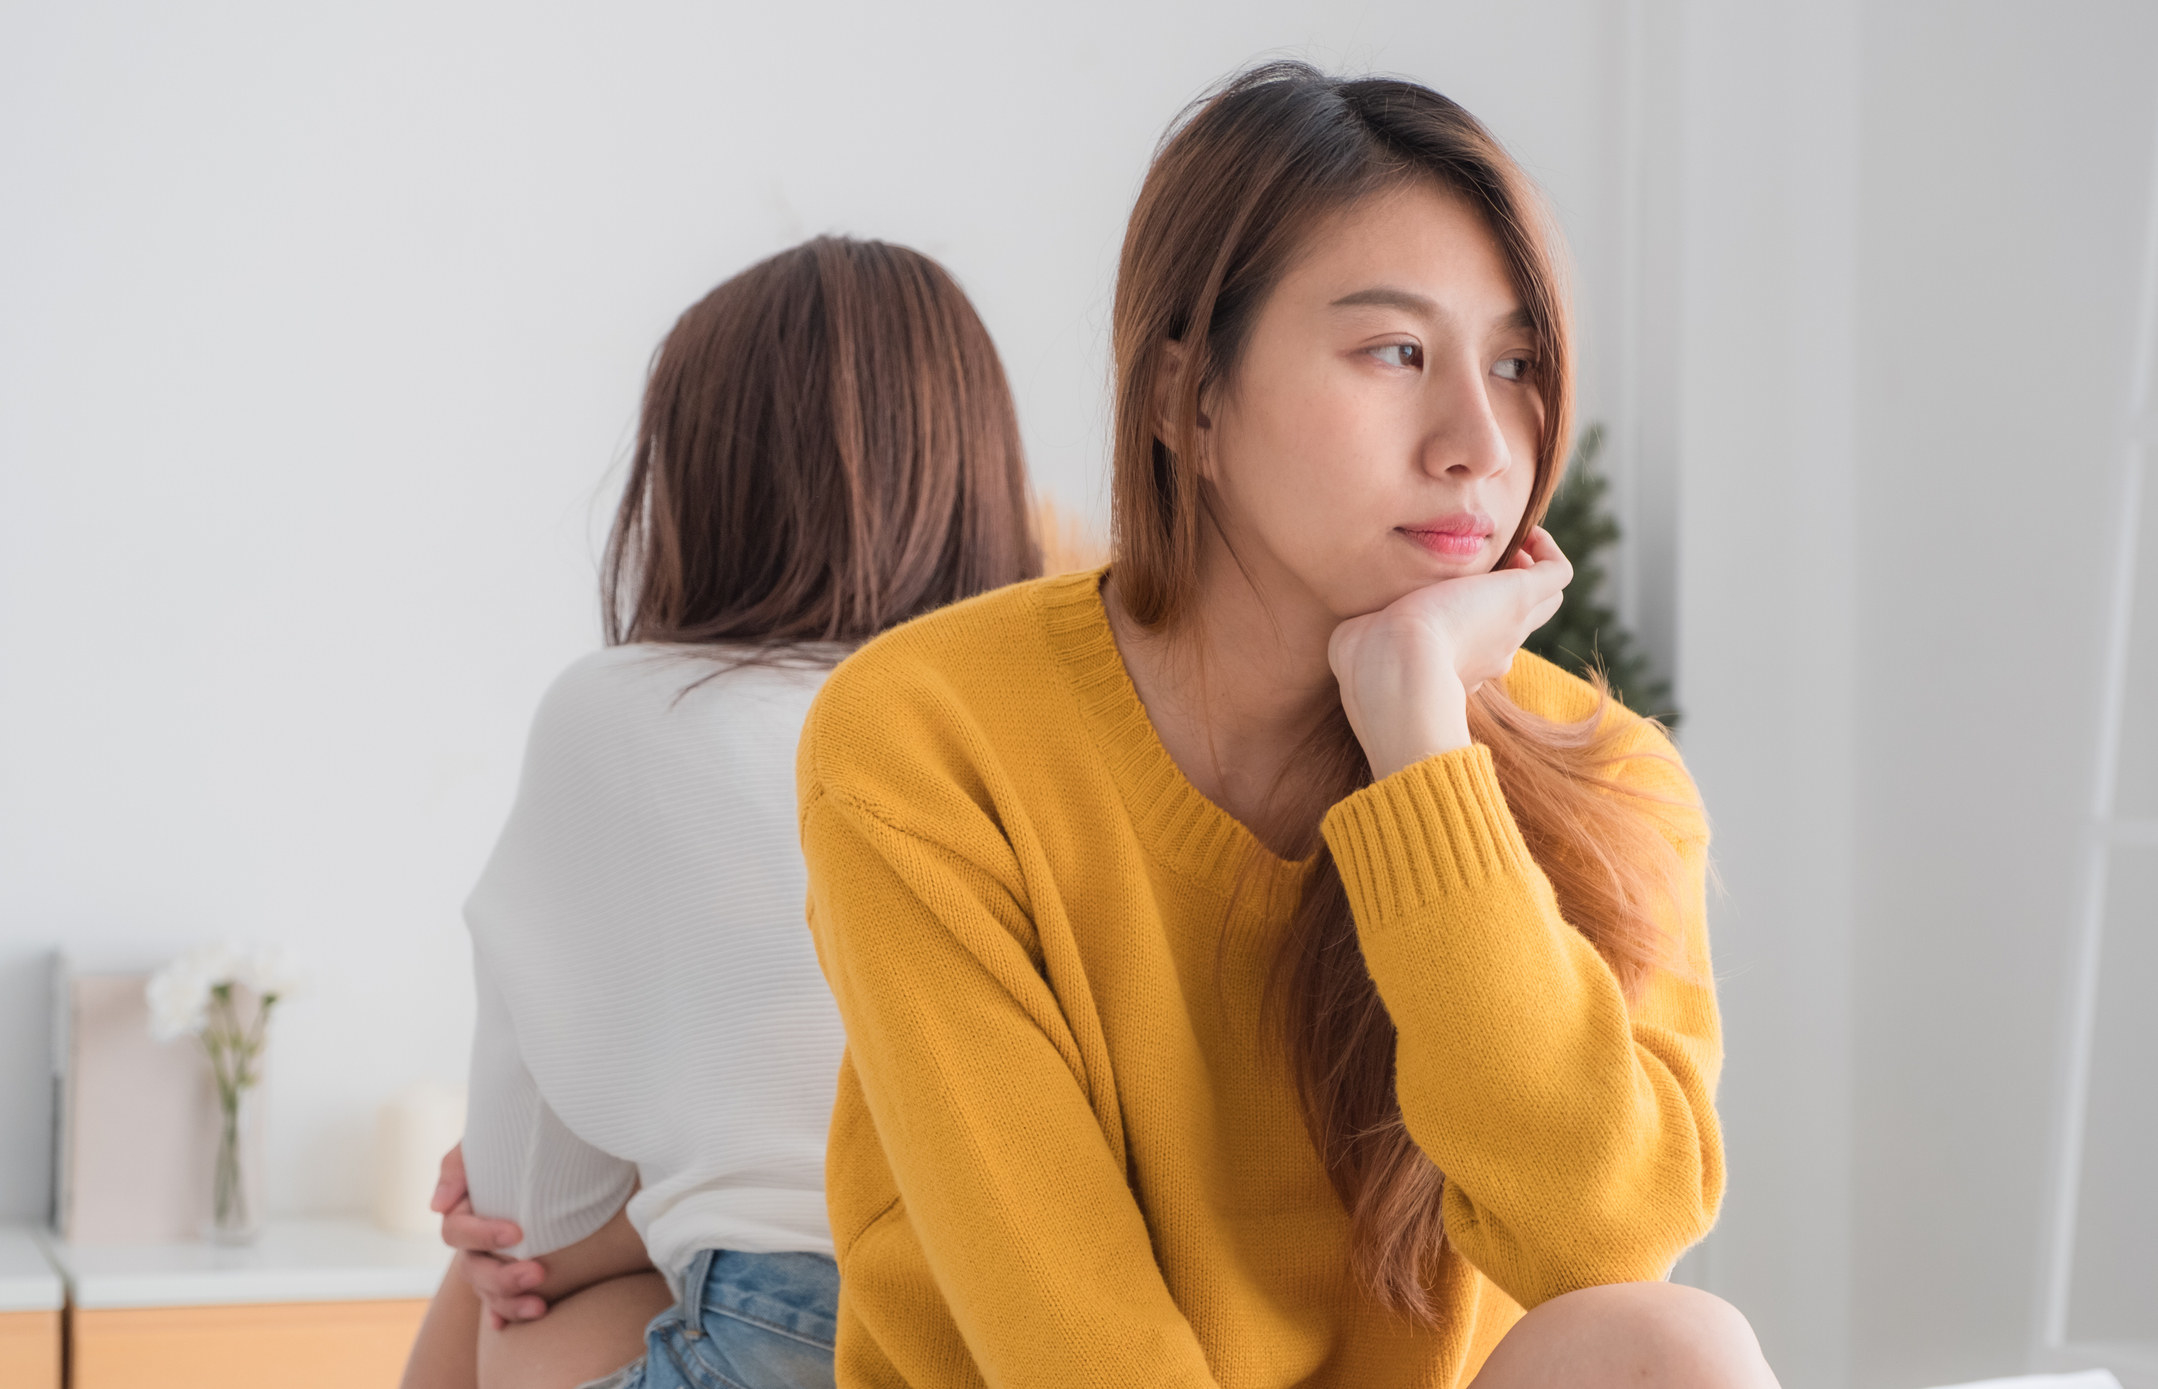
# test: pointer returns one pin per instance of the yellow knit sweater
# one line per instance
(1066, 1152)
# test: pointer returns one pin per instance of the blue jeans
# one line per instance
(746, 1321)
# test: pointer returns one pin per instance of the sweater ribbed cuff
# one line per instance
(1436, 828)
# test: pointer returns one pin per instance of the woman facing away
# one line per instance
(1256, 970)
(827, 447)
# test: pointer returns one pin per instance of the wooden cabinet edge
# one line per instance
(332, 1345)
(30, 1349)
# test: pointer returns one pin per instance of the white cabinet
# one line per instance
(329, 1304)
(30, 1301)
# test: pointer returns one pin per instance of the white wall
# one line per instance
(322, 327)
(1762, 438)
(1908, 242)
(2006, 193)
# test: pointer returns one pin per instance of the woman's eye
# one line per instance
(1400, 354)
(1511, 369)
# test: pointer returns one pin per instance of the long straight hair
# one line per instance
(827, 447)
(1234, 192)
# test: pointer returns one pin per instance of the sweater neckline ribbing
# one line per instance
(1184, 831)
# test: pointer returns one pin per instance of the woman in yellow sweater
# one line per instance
(1256, 971)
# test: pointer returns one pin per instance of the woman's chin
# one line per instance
(1438, 569)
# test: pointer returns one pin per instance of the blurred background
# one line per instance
(322, 329)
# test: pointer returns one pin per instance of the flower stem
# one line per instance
(234, 1049)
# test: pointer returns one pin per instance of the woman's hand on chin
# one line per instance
(1406, 671)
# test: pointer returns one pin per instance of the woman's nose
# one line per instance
(1464, 438)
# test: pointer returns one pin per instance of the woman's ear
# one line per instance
(1168, 384)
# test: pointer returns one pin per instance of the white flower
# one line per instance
(179, 994)
(179, 997)
(268, 970)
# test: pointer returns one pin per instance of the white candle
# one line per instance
(412, 1132)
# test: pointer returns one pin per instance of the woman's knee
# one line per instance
(1663, 1334)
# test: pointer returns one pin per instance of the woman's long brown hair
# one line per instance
(827, 447)
(1233, 193)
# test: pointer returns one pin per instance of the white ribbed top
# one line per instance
(650, 1007)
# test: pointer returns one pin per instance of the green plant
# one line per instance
(1587, 633)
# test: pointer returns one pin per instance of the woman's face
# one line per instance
(1380, 432)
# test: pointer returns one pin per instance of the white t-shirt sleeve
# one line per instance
(521, 1161)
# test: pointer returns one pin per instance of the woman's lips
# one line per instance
(1460, 536)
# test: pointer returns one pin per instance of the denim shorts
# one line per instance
(746, 1321)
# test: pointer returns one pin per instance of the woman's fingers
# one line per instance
(450, 1186)
(461, 1229)
(505, 1286)
(1544, 583)
(1543, 580)
(1540, 546)
(504, 1280)
(1548, 555)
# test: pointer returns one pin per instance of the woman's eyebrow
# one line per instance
(1388, 297)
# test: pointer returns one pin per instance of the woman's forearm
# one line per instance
(608, 1252)
(1576, 1128)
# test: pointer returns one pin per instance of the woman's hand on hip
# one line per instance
(504, 1286)
(1407, 670)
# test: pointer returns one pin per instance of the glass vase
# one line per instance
(235, 1186)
